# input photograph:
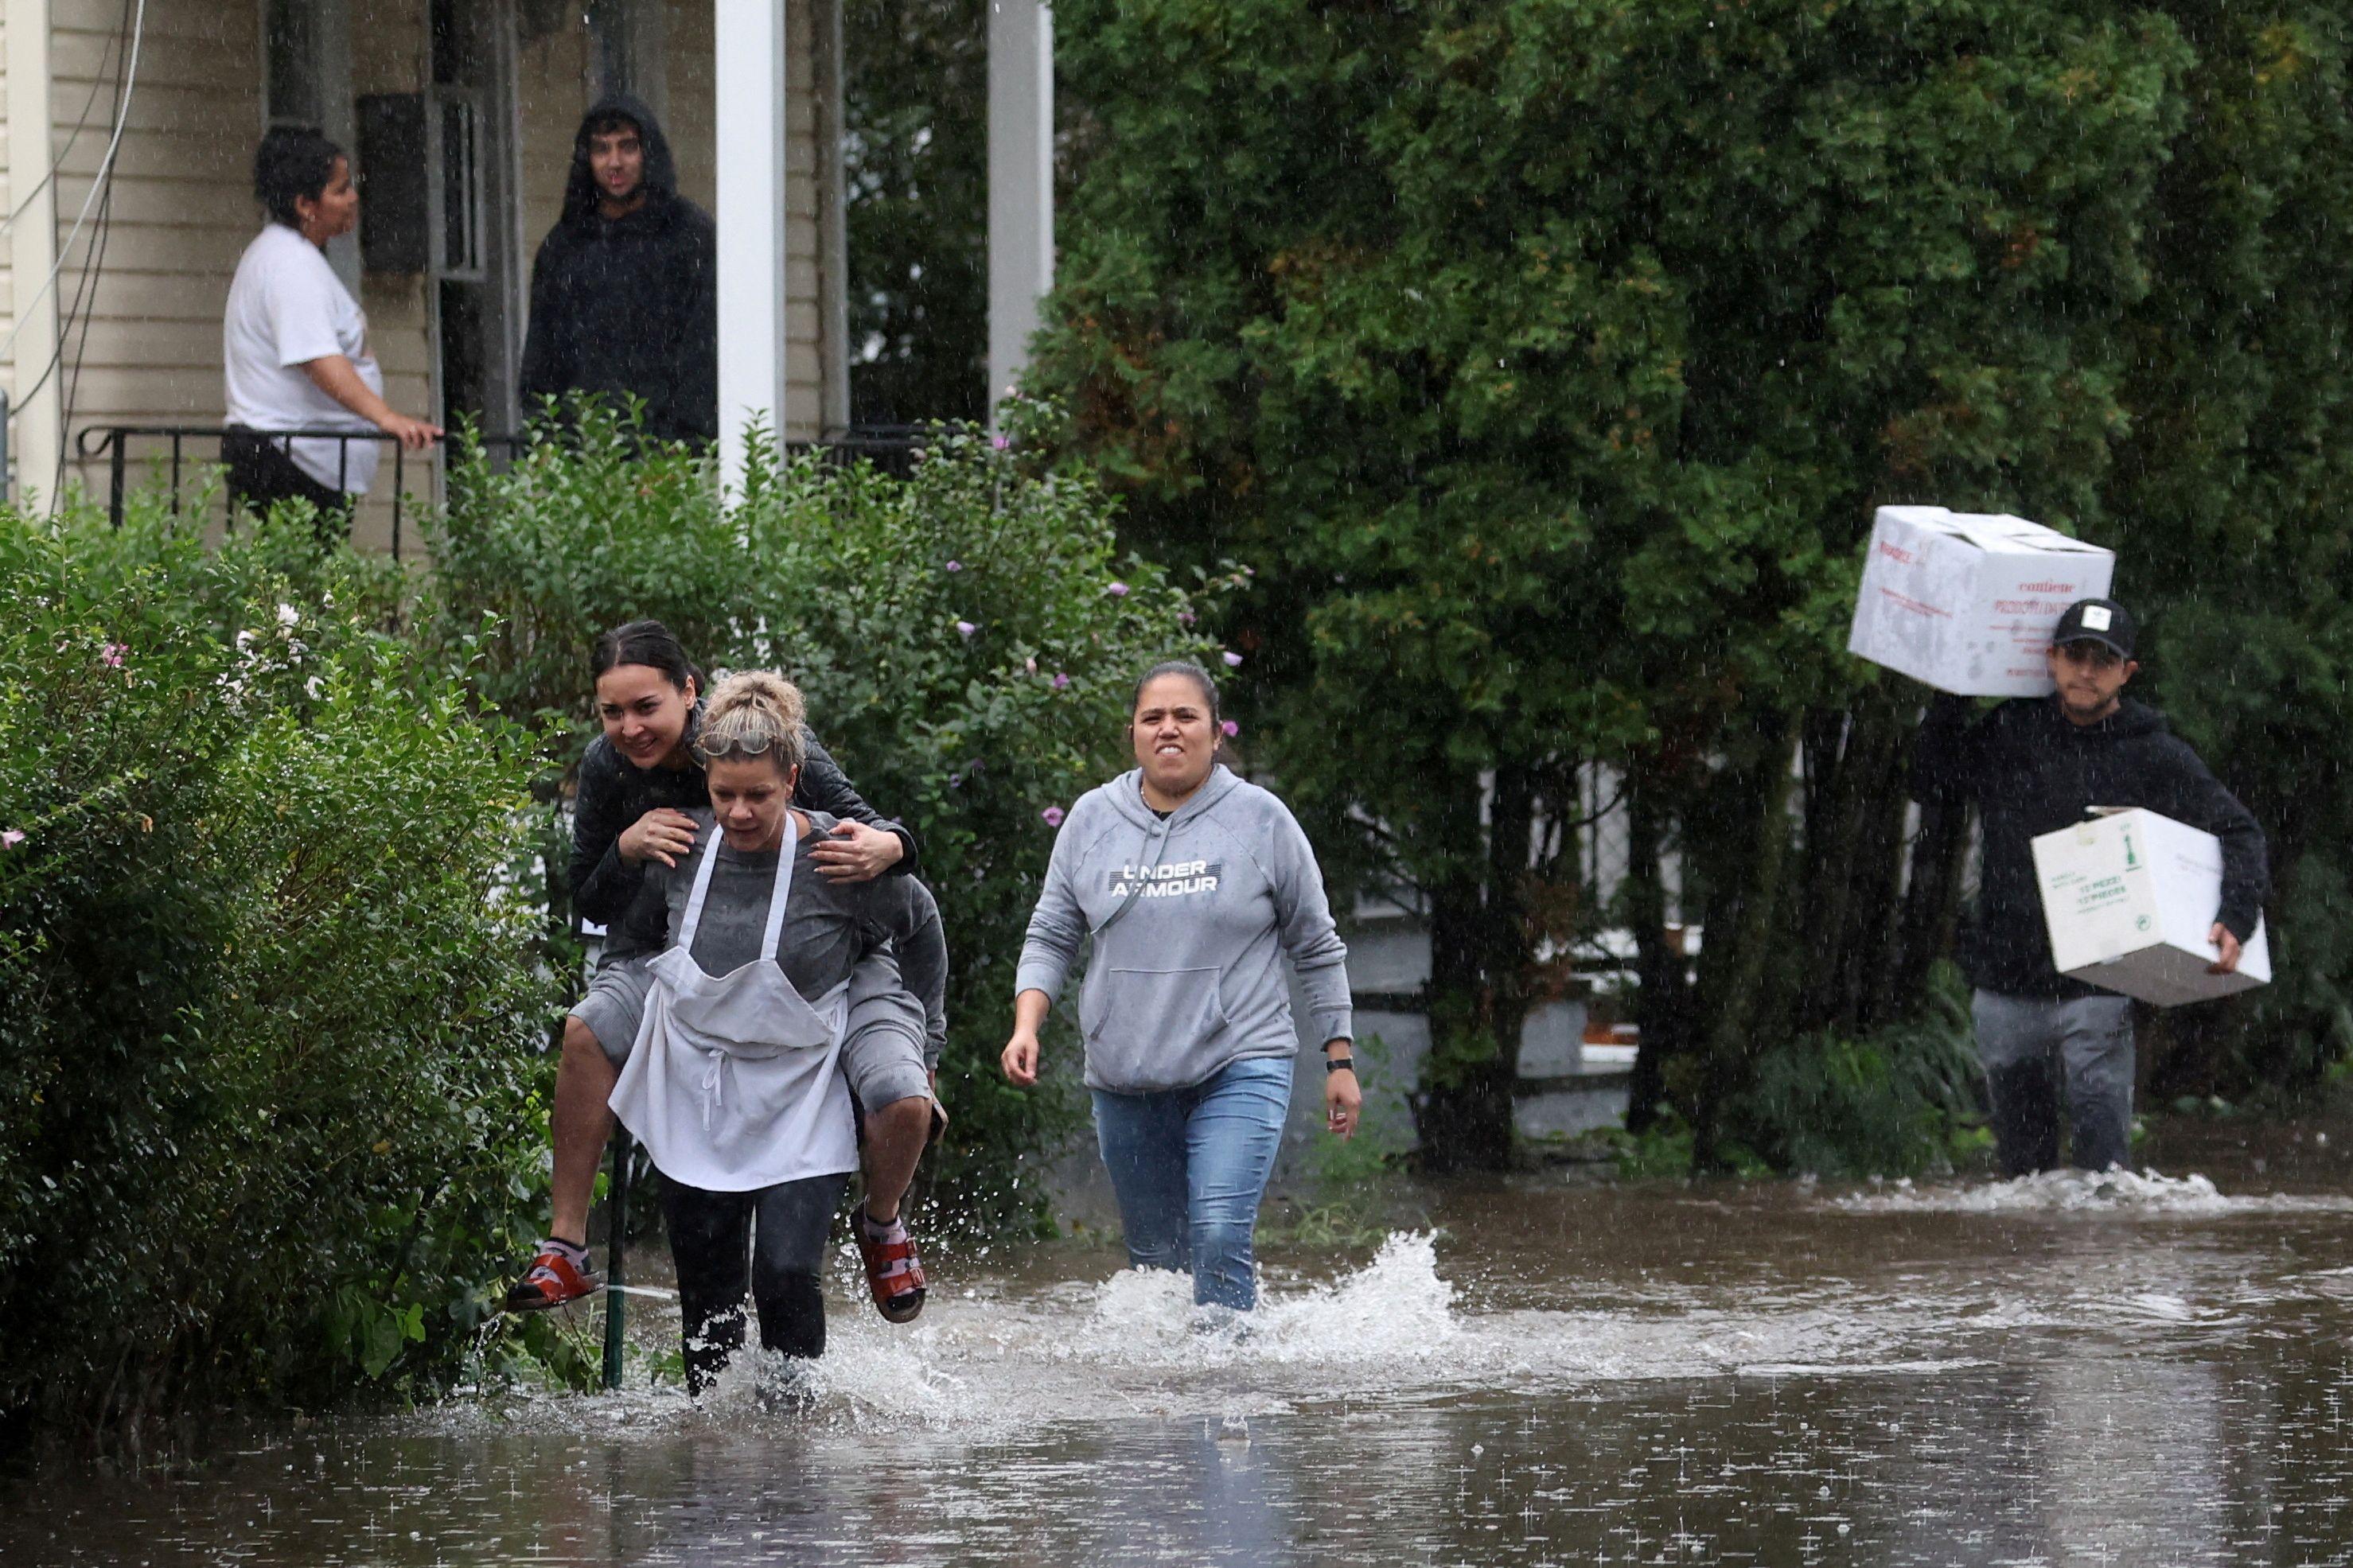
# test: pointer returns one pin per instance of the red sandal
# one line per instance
(893, 1270)
(552, 1279)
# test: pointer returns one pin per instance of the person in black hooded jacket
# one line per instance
(623, 294)
(2032, 766)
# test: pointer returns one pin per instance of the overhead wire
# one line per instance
(100, 182)
(94, 255)
(86, 288)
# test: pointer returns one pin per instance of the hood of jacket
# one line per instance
(2132, 720)
(1127, 797)
(580, 194)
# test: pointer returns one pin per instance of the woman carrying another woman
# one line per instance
(1194, 885)
(740, 1080)
(638, 783)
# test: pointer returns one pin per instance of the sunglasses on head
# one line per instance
(734, 746)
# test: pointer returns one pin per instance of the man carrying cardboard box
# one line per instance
(2034, 765)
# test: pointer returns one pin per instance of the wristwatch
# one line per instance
(1334, 1063)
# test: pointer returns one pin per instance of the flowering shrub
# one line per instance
(270, 1127)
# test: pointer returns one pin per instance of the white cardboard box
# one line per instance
(2129, 897)
(1966, 601)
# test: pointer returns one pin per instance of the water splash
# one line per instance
(2073, 1192)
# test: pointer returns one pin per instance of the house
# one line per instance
(462, 114)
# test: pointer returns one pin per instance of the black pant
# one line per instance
(261, 474)
(772, 1239)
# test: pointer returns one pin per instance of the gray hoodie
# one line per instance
(1189, 919)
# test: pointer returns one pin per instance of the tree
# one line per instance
(1546, 360)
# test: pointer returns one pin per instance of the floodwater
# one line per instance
(2066, 1371)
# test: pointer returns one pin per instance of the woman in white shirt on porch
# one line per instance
(294, 347)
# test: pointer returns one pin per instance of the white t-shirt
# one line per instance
(287, 308)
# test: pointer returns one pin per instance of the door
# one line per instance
(470, 153)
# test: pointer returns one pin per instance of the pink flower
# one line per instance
(956, 565)
(1053, 816)
(1061, 681)
(1231, 728)
(999, 442)
(966, 628)
(1233, 660)
(1117, 590)
(112, 654)
(1184, 617)
(11, 837)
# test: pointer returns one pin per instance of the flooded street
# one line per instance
(2059, 1371)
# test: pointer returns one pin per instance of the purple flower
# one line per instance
(112, 654)
(11, 837)
(1053, 816)
(1184, 617)
(1233, 660)
(1117, 590)
(1231, 728)
(956, 565)
(1061, 681)
(955, 780)
(999, 442)
(966, 628)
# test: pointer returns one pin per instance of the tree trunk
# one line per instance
(1932, 903)
(1875, 827)
(1740, 943)
(1663, 1002)
(1480, 953)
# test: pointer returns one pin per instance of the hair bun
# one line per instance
(754, 712)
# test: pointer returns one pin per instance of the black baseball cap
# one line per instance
(2103, 621)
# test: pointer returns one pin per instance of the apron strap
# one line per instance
(780, 894)
(702, 886)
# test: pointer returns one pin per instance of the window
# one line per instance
(293, 92)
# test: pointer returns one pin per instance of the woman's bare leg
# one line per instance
(580, 1126)
(895, 1136)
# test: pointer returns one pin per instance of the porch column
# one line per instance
(748, 79)
(37, 434)
(1020, 183)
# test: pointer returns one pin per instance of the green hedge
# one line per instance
(269, 1125)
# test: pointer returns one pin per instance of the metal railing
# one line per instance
(891, 449)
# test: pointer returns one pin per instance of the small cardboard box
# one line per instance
(2129, 897)
(1966, 601)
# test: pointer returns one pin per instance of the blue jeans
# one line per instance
(1189, 1166)
(2028, 1044)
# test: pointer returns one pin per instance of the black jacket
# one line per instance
(2030, 771)
(629, 305)
(614, 793)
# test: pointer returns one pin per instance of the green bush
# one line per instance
(1898, 1101)
(967, 638)
(271, 1122)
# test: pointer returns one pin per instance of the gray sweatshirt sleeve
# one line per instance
(905, 912)
(1057, 926)
(1303, 921)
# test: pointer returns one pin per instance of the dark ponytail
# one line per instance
(649, 643)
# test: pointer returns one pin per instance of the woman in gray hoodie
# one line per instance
(1193, 884)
